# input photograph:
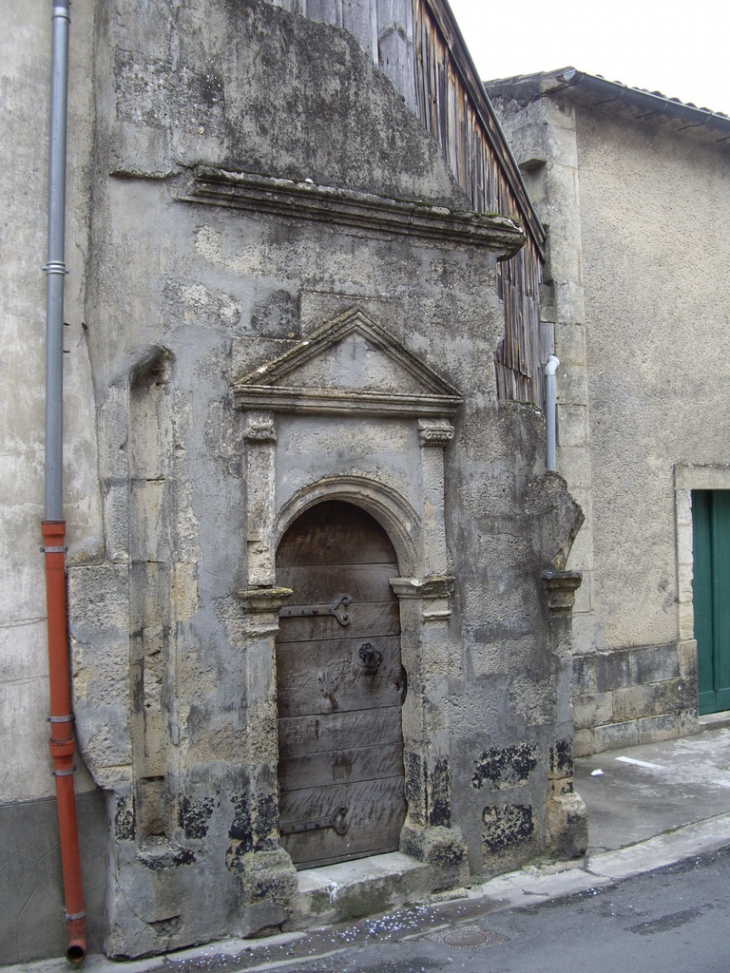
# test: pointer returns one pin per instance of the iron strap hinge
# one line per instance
(336, 821)
(299, 611)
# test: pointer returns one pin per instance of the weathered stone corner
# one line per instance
(444, 849)
(566, 820)
(560, 588)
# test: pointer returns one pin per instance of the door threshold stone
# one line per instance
(365, 886)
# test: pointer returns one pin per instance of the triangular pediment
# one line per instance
(349, 365)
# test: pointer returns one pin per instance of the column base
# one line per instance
(270, 888)
(566, 821)
(444, 849)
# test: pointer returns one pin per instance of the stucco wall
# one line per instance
(654, 213)
(31, 922)
(637, 291)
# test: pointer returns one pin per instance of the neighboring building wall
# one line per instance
(31, 901)
(636, 271)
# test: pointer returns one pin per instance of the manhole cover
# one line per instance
(468, 937)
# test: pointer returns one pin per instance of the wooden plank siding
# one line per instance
(454, 109)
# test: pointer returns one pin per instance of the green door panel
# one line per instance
(711, 596)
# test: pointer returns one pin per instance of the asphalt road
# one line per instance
(672, 920)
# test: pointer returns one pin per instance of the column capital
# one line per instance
(435, 432)
(261, 600)
(560, 587)
(260, 427)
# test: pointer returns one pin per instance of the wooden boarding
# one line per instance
(364, 620)
(340, 690)
(342, 767)
(313, 734)
(322, 677)
(375, 815)
(324, 582)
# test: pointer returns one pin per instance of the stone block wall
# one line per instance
(642, 694)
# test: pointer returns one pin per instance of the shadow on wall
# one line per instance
(31, 885)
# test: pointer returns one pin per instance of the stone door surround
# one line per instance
(419, 538)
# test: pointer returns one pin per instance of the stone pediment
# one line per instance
(349, 366)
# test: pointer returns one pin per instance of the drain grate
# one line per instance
(468, 937)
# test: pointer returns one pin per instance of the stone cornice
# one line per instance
(423, 223)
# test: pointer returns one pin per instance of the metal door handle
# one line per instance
(370, 656)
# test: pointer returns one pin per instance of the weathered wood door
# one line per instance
(340, 689)
(711, 596)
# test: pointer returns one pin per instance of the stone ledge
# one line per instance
(351, 890)
(435, 225)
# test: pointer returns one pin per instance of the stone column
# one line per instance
(434, 435)
(566, 816)
(428, 833)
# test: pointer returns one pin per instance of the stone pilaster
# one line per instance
(434, 435)
(428, 833)
(260, 436)
(566, 816)
(266, 871)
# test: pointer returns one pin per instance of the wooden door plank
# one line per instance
(322, 583)
(365, 619)
(317, 734)
(375, 813)
(311, 679)
(335, 533)
(721, 598)
(341, 766)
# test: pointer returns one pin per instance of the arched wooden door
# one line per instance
(340, 689)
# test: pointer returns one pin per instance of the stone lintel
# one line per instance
(422, 222)
(561, 587)
(323, 402)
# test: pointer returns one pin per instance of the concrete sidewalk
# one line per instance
(649, 806)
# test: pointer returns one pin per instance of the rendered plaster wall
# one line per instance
(654, 208)
(184, 299)
(638, 296)
(31, 902)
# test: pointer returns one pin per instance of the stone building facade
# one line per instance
(635, 191)
(281, 302)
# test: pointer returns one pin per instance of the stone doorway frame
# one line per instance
(424, 589)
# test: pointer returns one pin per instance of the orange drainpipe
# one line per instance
(62, 737)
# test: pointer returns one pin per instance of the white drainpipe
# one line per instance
(551, 367)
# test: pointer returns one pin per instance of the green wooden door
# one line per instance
(711, 596)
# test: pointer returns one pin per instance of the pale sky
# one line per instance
(680, 49)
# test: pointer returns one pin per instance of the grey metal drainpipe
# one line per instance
(551, 367)
(55, 268)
